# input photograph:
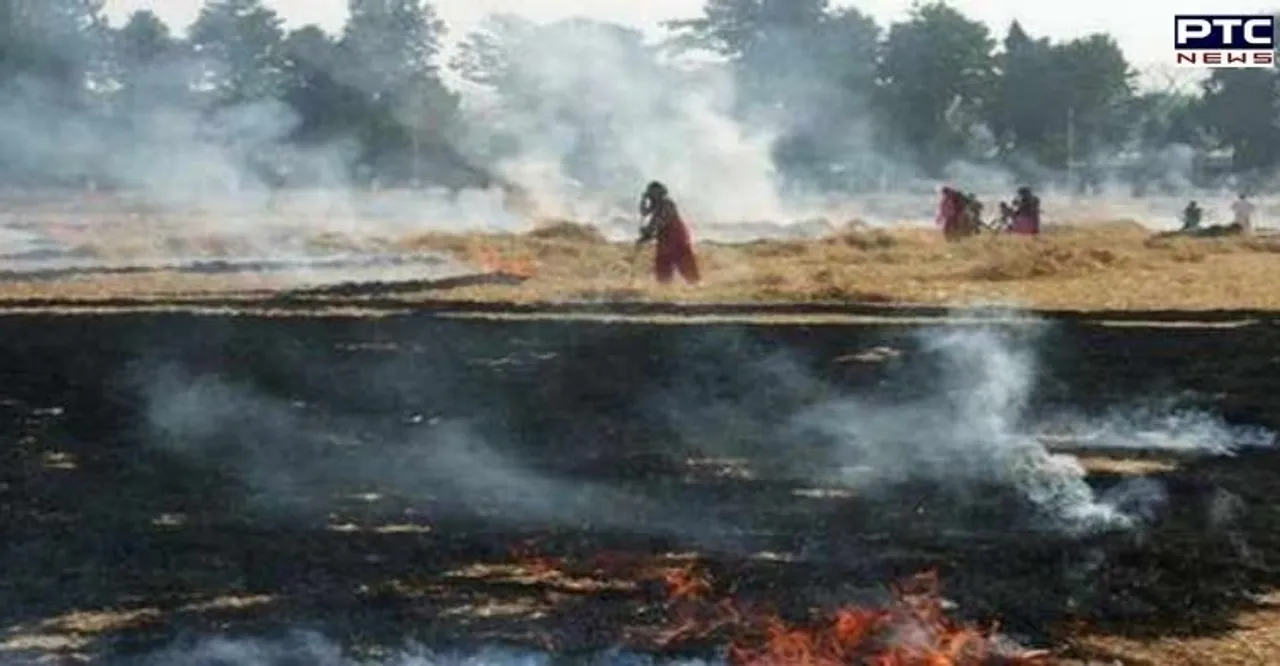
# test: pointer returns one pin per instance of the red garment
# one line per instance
(950, 211)
(1026, 218)
(1025, 224)
(946, 208)
(675, 247)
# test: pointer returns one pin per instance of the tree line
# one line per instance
(935, 90)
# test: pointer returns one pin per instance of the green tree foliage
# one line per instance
(1093, 82)
(936, 69)
(1240, 109)
(802, 67)
(748, 30)
(142, 62)
(240, 42)
(391, 48)
(328, 108)
(1016, 108)
(143, 41)
(50, 69)
(53, 42)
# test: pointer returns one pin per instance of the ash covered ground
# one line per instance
(195, 489)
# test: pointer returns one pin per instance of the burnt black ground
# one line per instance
(81, 489)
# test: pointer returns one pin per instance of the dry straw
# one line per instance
(1093, 265)
(1083, 265)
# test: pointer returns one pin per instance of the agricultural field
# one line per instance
(868, 446)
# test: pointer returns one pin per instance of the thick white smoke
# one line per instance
(172, 166)
(291, 460)
(971, 432)
(968, 425)
(581, 112)
(589, 111)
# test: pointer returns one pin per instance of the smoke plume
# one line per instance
(600, 105)
(290, 460)
(581, 113)
(969, 433)
(958, 418)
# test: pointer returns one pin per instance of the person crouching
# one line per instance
(674, 253)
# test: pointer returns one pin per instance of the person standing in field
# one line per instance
(1026, 213)
(951, 210)
(1191, 217)
(663, 224)
(1243, 210)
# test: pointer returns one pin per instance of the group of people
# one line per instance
(1242, 211)
(960, 214)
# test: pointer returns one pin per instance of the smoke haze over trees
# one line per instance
(812, 98)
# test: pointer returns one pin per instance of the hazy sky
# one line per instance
(1143, 27)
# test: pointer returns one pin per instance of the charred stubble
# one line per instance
(304, 499)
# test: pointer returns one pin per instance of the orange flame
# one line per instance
(685, 585)
(914, 630)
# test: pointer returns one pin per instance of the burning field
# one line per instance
(983, 488)
(289, 447)
(1089, 266)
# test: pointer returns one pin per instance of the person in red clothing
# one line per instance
(951, 212)
(1026, 213)
(675, 244)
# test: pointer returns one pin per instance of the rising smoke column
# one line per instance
(962, 432)
(956, 417)
(586, 112)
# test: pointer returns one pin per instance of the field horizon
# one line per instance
(1083, 266)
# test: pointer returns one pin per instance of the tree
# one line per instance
(1094, 82)
(241, 42)
(391, 49)
(489, 56)
(801, 68)
(936, 70)
(143, 54)
(55, 42)
(144, 39)
(145, 74)
(1015, 113)
(50, 58)
(1055, 101)
(1163, 141)
(824, 132)
(851, 44)
(392, 43)
(327, 107)
(1239, 109)
(742, 30)
(787, 54)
